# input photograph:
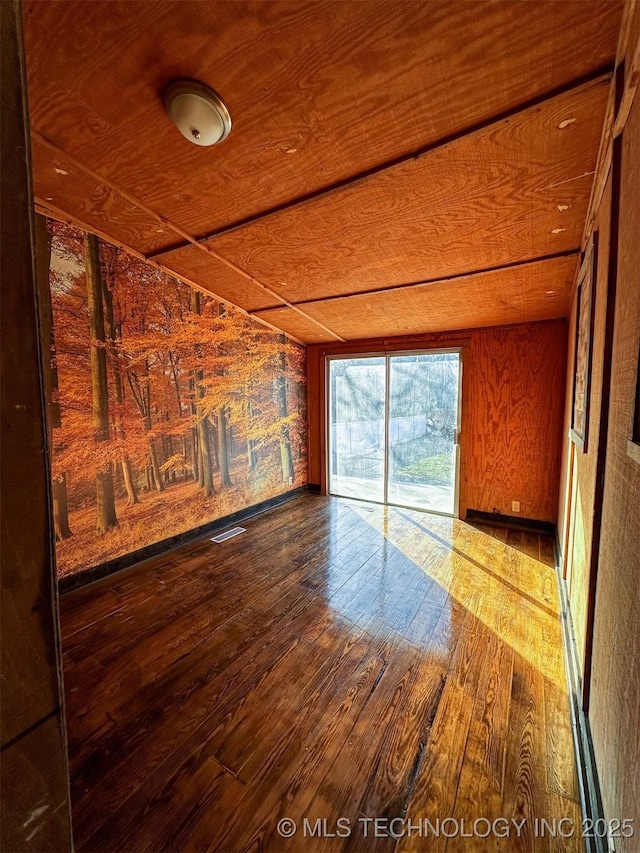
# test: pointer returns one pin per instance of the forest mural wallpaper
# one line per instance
(169, 409)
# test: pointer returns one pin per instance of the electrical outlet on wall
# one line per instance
(290, 481)
(515, 506)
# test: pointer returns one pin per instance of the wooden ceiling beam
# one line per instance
(448, 279)
(43, 207)
(536, 291)
(167, 223)
(598, 75)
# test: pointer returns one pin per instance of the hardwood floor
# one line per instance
(337, 661)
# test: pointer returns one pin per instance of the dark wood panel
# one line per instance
(365, 668)
(35, 808)
(29, 677)
(517, 190)
(33, 766)
(536, 291)
(317, 91)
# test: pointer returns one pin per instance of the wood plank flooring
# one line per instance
(386, 679)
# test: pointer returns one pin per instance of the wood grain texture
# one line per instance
(615, 693)
(512, 411)
(35, 807)
(217, 278)
(309, 87)
(617, 108)
(516, 400)
(365, 669)
(488, 199)
(33, 767)
(295, 324)
(501, 103)
(579, 557)
(60, 184)
(535, 291)
(29, 678)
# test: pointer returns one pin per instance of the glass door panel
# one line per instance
(393, 426)
(423, 424)
(357, 427)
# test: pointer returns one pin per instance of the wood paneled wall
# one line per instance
(515, 419)
(615, 688)
(582, 495)
(600, 527)
(512, 410)
(34, 775)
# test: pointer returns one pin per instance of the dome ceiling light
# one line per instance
(198, 112)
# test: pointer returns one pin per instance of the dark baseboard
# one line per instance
(315, 488)
(513, 521)
(588, 782)
(96, 573)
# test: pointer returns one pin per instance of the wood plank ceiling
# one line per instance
(393, 168)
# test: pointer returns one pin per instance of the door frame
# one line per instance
(388, 355)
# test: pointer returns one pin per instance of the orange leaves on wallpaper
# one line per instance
(198, 396)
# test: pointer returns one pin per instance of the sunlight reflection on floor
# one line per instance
(448, 562)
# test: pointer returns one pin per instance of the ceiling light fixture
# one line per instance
(198, 112)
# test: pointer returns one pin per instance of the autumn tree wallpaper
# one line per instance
(169, 409)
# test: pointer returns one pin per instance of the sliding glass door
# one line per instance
(393, 428)
(357, 427)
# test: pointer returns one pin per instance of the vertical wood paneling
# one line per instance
(515, 404)
(35, 813)
(567, 470)
(315, 415)
(605, 506)
(579, 556)
(615, 689)
(512, 409)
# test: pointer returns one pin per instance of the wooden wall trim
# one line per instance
(363, 345)
(34, 771)
(612, 278)
(588, 268)
(135, 559)
(410, 284)
(167, 223)
(60, 216)
(588, 781)
(617, 112)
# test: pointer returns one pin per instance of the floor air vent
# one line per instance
(228, 534)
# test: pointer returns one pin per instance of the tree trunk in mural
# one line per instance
(205, 472)
(125, 462)
(223, 448)
(99, 388)
(252, 459)
(61, 509)
(50, 373)
(129, 482)
(141, 392)
(222, 443)
(194, 433)
(155, 466)
(285, 440)
(191, 389)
